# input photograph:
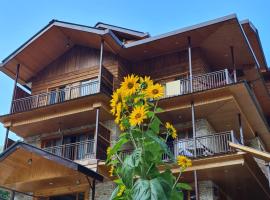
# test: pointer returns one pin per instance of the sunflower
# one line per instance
(184, 162)
(155, 91)
(130, 84)
(122, 127)
(116, 98)
(171, 130)
(122, 188)
(137, 115)
(146, 82)
(118, 113)
(111, 170)
(109, 150)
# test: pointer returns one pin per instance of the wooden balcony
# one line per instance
(54, 97)
(199, 83)
(203, 146)
(74, 151)
(85, 149)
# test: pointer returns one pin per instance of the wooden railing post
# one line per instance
(190, 65)
(232, 137)
(100, 63)
(227, 76)
(96, 133)
(37, 100)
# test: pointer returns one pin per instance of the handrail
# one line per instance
(208, 145)
(200, 82)
(61, 90)
(48, 98)
(74, 151)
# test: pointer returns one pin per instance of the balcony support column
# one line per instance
(190, 65)
(233, 64)
(11, 105)
(6, 138)
(268, 172)
(195, 149)
(14, 88)
(93, 189)
(96, 133)
(100, 63)
(240, 129)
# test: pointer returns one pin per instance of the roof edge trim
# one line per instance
(182, 30)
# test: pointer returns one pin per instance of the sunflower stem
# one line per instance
(177, 179)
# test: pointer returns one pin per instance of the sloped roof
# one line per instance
(214, 37)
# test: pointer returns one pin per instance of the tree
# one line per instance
(135, 107)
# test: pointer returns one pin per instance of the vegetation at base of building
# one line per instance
(135, 107)
(4, 194)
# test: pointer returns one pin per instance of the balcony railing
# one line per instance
(62, 95)
(199, 83)
(208, 145)
(74, 151)
(203, 146)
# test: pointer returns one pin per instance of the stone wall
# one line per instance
(257, 144)
(203, 127)
(103, 191)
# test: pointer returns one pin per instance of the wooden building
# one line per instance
(217, 93)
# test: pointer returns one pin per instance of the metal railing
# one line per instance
(208, 145)
(74, 151)
(53, 97)
(203, 146)
(199, 83)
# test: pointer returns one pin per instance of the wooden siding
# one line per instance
(171, 65)
(78, 64)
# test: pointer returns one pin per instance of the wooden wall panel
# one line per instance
(171, 65)
(79, 63)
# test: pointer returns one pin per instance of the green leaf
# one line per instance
(150, 114)
(155, 124)
(149, 190)
(117, 147)
(183, 186)
(159, 110)
(177, 195)
(131, 162)
(161, 143)
(114, 193)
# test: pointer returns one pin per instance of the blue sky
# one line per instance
(19, 20)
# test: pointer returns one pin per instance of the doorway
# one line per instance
(76, 196)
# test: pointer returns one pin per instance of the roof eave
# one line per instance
(182, 30)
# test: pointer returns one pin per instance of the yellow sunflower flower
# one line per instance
(130, 84)
(111, 170)
(146, 82)
(116, 98)
(137, 115)
(183, 162)
(109, 150)
(155, 91)
(118, 113)
(121, 190)
(171, 130)
(122, 127)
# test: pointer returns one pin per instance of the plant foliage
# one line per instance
(136, 172)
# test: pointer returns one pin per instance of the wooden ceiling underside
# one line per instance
(66, 115)
(28, 172)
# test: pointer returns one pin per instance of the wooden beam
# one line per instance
(256, 153)
(51, 116)
(62, 190)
